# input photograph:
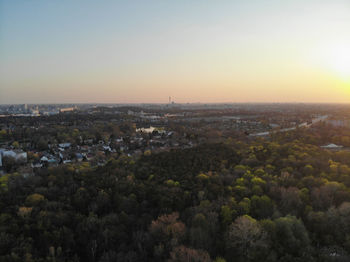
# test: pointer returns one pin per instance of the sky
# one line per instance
(137, 51)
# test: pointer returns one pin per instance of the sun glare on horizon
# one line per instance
(339, 61)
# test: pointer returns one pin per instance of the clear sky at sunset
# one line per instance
(194, 51)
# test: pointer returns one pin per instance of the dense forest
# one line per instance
(283, 199)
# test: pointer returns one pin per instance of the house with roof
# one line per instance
(17, 155)
(64, 145)
(332, 146)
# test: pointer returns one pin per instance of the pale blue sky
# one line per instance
(144, 51)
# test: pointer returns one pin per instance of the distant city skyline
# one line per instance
(192, 51)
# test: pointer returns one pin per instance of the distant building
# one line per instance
(79, 157)
(332, 146)
(35, 112)
(37, 165)
(64, 145)
(50, 113)
(44, 159)
(67, 109)
(339, 122)
(18, 155)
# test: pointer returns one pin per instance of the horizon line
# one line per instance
(162, 103)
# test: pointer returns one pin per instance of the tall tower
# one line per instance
(169, 99)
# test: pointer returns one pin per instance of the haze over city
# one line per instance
(193, 51)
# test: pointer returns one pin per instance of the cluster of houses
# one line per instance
(98, 152)
(65, 153)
